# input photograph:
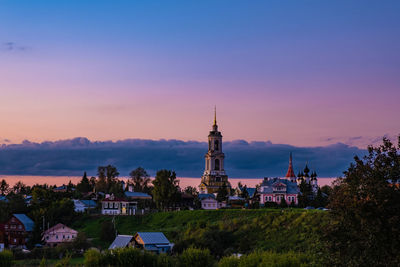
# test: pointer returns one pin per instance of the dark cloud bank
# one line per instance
(243, 159)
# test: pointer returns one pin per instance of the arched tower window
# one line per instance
(216, 145)
(209, 145)
(216, 165)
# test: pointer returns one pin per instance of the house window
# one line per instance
(56, 236)
(19, 226)
(47, 237)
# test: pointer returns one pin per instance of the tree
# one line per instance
(243, 192)
(107, 177)
(21, 188)
(4, 187)
(365, 226)
(107, 231)
(196, 257)
(140, 180)
(222, 193)
(191, 190)
(166, 189)
(84, 185)
(283, 203)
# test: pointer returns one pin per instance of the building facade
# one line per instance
(214, 175)
(58, 234)
(117, 206)
(18, 230)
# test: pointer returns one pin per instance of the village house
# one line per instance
(58, 234)
(18, 230)
(208, 202)
(2, 238)
(278, 189)
(112, 205)
(152, 241)
(83, 205)
(122, 241)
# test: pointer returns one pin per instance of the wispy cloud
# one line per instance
(243, 159)
(13, 47)
(359, 141)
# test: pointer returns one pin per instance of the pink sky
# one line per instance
(305, 74)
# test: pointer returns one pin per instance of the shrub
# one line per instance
(92, 258)
(195, 257)
(231, 261)
(6, 258)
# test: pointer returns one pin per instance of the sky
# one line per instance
(304, 73)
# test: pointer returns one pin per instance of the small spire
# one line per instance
(290, 172)
(215, 115)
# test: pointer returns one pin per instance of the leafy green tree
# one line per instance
(195, 257)
(21, 188)
(306, 195)
(4, 187)
(84, 185)
(191, 190)
(107, 232)
(140, 180)
(283, 203)
(107, 177)
(166, 190)
(365, 226)
(222, 193)
(244, 193)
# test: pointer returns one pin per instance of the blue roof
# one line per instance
(4, 199)
(136, 194)
(250, 190)
(121, 241)
(26, 221)
(268, 184)
(153, 238)
(88, 203)
(203, 196)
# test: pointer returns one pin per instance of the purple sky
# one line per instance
(305, 73)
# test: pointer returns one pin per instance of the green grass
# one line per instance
(50, 262)
(266, 229)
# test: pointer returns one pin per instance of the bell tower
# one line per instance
(214, 175)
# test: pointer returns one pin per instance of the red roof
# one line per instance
(290, 172)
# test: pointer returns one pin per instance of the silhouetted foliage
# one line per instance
(365, 226)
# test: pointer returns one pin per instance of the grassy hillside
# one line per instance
(223, 231)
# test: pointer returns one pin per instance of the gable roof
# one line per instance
(140, 195)
(204, 196)
(121, 241)
(26, 221)
(58, 226)
(153, 238)
(89, 203)
(268, 184)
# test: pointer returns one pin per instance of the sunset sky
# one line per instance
(305, 73)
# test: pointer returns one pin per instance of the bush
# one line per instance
(231, 261)
(92, 258)
(6, 258)
(195, 257)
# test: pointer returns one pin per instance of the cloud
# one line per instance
(13, 47)
(359, 141)
(242, 159)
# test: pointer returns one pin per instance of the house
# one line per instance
(60, 189)
(2, 237)
(58, 234)
(118, 206)
(276, 189)
(18, 230)
(152, 241)
(83, 205)
(121, 241)
(208, 202)
(137, 195)
(4, 199)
